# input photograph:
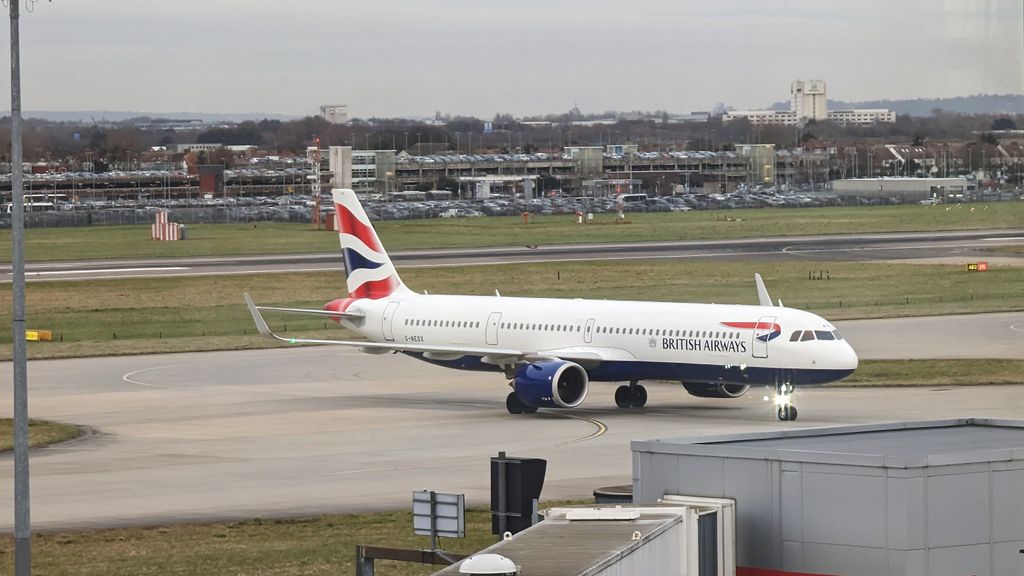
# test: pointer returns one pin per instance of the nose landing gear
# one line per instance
(787, 412)
(785, 409)
(632, 396)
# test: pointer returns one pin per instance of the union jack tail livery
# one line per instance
(368, 269)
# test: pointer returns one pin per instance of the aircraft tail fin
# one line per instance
(368, 269)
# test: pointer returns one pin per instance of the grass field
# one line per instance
(40, 433)
(98, 317)
(309, 546)
(936, 373)
(48, 244)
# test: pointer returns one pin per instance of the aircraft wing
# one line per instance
(254, 309)
(587, 357)
(496, 355)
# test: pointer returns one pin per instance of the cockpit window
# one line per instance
(796, 336)
(808, 335)
(824, 335)
(837, 334)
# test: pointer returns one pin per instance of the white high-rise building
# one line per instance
(809, 100)
(334, 113)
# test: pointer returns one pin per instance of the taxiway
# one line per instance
(311, 430)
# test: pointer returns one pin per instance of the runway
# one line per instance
(964, 246)
(301, 431)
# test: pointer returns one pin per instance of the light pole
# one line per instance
(22, 505)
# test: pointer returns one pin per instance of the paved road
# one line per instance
(966, 246)
(311, 430)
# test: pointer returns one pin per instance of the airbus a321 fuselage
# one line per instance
(551, 349)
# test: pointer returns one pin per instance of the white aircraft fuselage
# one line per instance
(551, 349)
(697, 343)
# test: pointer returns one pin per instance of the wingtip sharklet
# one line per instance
(261, 324)
(762, 293)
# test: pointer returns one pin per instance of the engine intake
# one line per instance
(706, 390)
(551, 384)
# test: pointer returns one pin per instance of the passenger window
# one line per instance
(824, 335)
(808, 335)
(796, 336)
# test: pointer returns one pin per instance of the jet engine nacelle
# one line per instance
(551, 384)
(705, 390)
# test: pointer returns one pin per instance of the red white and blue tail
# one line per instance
(368, 269)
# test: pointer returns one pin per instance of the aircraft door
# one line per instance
(492, 328)
(762, 332)
(388, 319)
(588, 331)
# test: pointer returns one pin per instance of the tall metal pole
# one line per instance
(22, 520)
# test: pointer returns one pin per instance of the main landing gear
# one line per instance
(783, 401)
(632, 396)
(516, 406)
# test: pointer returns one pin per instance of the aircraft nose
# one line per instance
(848, 359)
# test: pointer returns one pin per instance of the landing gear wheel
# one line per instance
(639, 396)
(787, 412)
(516, 406)
(623, 397)
(783, 395)
(631, 396)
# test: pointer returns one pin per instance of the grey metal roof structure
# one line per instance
(928, 498)
(897, 445)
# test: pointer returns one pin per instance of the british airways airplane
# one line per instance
(551, 349)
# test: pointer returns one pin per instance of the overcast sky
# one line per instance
(479, 57)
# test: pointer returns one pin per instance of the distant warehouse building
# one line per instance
(901, 189)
